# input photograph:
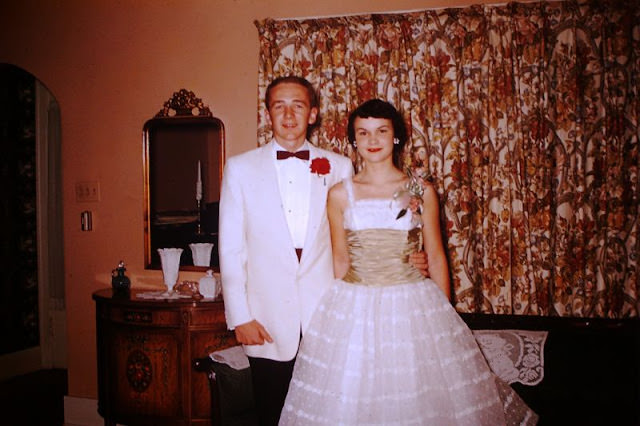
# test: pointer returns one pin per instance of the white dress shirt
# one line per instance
(294, 178)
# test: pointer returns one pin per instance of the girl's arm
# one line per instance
(336, 203)
(432, 237)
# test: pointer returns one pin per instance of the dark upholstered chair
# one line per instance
(231, 393)
(592, 372)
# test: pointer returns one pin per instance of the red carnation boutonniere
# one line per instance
(320, 166)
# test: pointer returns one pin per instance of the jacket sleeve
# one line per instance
(232, 247)
(346, 167)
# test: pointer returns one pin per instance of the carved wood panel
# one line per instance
(145, 353)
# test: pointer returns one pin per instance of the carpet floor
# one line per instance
(34, 399)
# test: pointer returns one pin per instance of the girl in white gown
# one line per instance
(385, 346)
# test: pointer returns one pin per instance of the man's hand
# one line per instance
(252, 333)
(419, 261)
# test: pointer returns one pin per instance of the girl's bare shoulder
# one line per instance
(429, 190)
(338, 192)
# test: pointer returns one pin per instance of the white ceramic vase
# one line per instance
(201, 253)
(170, 259)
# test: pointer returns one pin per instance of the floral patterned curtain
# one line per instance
(526, 117)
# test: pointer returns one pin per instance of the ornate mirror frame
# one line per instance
(183, 160)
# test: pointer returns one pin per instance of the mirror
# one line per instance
(183, 149)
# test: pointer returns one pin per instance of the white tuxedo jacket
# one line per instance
(260, 273)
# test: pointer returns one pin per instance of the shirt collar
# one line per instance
(278, 147)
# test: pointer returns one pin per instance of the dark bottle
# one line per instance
(119, 281)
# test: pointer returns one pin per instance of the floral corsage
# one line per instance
(409, 198)
(320, 166)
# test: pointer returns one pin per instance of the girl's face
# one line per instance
(374, 139)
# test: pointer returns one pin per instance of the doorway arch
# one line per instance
(31, 262)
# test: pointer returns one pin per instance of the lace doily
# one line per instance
(234, 357)
(514, 355)
(163, 295)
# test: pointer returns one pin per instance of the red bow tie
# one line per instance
(283, 155)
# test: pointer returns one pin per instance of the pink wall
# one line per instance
(111, 65)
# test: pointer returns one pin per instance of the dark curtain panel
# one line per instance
(18, 250)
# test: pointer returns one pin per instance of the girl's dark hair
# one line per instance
(377, 108)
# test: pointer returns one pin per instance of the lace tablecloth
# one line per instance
(514, 355)
(163, 295)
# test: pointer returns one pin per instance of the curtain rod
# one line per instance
(410, 10)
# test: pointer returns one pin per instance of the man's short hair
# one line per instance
(313, 97)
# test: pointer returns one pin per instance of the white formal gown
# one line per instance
(385, 346)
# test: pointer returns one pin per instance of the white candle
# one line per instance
(199, 183)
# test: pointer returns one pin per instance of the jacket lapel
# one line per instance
(318, 189)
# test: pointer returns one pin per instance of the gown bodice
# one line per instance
(379, 242)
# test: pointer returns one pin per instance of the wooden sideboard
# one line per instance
(146, 349)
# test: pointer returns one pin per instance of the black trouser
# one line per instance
(270, 385)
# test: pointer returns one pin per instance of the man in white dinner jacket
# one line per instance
(272, 211)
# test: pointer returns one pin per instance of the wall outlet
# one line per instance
(87, 191)
(86, 221)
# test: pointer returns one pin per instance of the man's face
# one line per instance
(290, 113)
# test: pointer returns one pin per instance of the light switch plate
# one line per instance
(87, 191)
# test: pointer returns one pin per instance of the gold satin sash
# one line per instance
(380, 257)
